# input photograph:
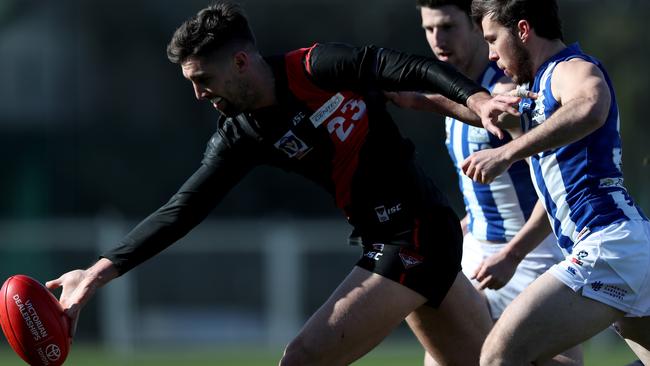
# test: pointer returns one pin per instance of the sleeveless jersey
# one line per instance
(581, 184)
(498, 210)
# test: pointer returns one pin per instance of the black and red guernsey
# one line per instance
(331, 126)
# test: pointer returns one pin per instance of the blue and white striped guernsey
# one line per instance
(497, 210)
(581, 184)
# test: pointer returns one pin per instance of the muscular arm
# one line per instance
(581, 89)
(583, 93)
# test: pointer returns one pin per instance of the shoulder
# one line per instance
(576, 76)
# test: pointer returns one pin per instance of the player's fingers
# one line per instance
(484, 284)
(485, 179)
(54, 284)
(479, 273)
(466, 165)
(493, 129)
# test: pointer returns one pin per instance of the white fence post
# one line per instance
(117, 302)
(283, 260)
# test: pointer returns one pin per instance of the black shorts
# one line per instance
(425, 258)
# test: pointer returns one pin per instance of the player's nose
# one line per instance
(199, 92)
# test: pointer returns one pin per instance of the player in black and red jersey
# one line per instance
(320, 112)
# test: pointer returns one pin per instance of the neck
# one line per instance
(543, 49)
(266, 81)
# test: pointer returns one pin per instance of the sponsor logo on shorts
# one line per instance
(572, 271)
(610, 290)
(410, 259)
(383, 213)
(596, 286)
(326, 110)
(582, 254)
(292, 146)
(577, 261)
(374, 255)
(615, 291)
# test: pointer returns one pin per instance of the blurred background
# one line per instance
(98, 129)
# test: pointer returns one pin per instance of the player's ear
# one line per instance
(523, 30)
(241, 60)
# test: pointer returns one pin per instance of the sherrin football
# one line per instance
(34, 322)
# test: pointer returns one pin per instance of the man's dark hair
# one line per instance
(464, 5)
(218, 24)
(543, 15)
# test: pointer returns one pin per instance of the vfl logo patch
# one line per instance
(292, 146)
(326, 110)
(410, 259)
(383, 214)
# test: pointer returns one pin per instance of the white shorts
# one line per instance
(612, 266)
(532, 266)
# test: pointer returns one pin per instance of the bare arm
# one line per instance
(581, 89)
(435, 103)
(495, 271)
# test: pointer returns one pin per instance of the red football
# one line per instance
(34, 322)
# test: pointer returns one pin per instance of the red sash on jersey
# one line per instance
(342, 113)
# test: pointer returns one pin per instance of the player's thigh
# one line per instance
(358, 315)
(545, 320)
(461, 319)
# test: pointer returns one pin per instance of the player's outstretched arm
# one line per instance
(80, 285)
(495, 271)
(434, 103)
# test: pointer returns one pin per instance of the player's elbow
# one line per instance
(596, 111)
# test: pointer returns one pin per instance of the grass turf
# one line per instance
(386, 355)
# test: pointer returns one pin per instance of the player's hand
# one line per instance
(79, 286)
(485, 165)
(77, 289)
(489, 108)
(495, 271)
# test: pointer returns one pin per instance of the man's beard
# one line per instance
(524, 65)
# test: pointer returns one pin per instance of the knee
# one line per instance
(491, 352)
(495, 352)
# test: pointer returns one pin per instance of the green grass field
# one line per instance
(390, 354)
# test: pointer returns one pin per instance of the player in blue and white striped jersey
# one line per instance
(572, 139)
(496, 213)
